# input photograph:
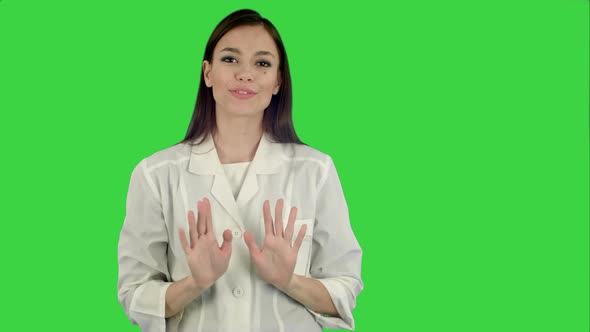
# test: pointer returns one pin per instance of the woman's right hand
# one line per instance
(207, 261)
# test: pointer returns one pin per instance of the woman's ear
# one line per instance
(278, 86)
(206, 73)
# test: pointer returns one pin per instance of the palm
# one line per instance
(275, 261)
(207, 261)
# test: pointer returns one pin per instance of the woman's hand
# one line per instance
(207, 261)
(275, 262)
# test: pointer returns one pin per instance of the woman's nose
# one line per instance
(244, 75)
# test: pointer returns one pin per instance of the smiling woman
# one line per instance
(298, 265)
(246, 47)
(242, 73)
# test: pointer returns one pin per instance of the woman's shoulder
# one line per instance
(309, 151)
(307, 154)
(173, 155)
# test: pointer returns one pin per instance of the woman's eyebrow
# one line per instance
(265, 53)
(237, 51)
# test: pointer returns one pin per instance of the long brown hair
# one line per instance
(277, 118)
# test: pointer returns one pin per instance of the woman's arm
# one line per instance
(207, 261)
(335, 260)
(336, 255)
(143, 266)
(275, 261)
(179, 294)
(145, 289)
(312, 294)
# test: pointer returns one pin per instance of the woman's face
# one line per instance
(243, 72)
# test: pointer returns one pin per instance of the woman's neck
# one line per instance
(237, 140)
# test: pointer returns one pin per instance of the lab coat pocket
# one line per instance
(304, 254)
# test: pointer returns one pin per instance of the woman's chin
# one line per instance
(244, 112)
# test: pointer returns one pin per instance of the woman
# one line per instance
(296, 269)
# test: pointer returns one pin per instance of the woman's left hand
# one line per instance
(275, 262)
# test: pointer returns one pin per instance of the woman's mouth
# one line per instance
(243, 93)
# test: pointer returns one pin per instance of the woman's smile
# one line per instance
(243, 93)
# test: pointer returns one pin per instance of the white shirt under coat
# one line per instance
(166, 185)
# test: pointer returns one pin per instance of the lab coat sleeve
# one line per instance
(336, 254)
(143, 242)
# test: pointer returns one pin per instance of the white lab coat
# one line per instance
(166, 185)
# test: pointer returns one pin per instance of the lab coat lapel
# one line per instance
(205, 161)
(223, 194)
(268, 159)
(249, 187)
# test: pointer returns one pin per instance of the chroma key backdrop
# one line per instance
(459, 130)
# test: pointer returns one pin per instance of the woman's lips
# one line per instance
(243, 94)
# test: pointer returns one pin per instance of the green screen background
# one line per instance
(459, 131)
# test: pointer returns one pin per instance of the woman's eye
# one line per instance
(264, 63)
(229, 59)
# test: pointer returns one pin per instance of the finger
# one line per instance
(226, 245)
(249, 239)
(201, 218)
(300, 237)
(209, 218)
(267, 219)
(183, 242)
(279, 218)
(192, 228)
(291, 225)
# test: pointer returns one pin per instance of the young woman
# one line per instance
(288, 259)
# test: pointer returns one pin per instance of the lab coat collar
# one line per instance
(204, 160)
(267, 159)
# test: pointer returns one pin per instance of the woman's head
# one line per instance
(245, 72)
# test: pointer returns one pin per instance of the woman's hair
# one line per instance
(277, 119)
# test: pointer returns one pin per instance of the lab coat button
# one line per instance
(237, 233)
(238, 292)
